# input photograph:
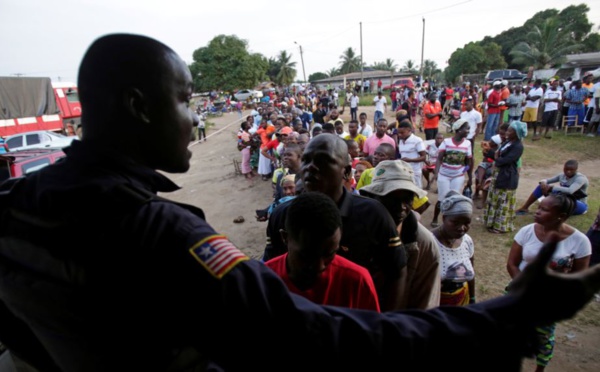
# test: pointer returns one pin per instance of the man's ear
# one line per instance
(284, 236)
(136, 104)
(347, 172)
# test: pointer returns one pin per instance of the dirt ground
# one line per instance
(213, 185)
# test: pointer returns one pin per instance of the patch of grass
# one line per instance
(491, 251)
(367, 100)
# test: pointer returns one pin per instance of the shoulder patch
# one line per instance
(217, 254)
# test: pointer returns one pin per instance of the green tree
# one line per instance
(317, 76)
(225, 64)
(332, 72)
(273, 69)
(410, 66)
(349, 61)
(473, 58)
(387, 65)
(287, 72)
(546, 46)
(591, 43)
(430, 70)
(573, 18)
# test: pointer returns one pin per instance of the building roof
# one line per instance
(374, 74)
(583, 60)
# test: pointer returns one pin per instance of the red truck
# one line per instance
(35, 103)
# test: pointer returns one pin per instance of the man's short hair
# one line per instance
(405, 124)
(314, 213)
(572, 163)
(115, 63)
(328, 127)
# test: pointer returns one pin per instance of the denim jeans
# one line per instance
(491, 127)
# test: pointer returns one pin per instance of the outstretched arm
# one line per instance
(536, 287)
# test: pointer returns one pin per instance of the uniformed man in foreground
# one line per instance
(99, 274)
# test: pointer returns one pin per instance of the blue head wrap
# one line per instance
(519, 127)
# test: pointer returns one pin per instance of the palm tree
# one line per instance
(332, 72)
(410, 66)
(350, 62)
(390, 65)
(545, 47)
(430, 69)
(287, 72)
(273, 69)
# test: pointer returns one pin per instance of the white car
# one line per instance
(38, 140)
(244, 94)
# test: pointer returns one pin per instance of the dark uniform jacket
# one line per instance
(508, 174)
(110, 282)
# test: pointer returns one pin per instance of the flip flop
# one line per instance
(494, 231)
(435, 224)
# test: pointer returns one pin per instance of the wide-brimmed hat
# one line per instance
(458, 124)
(392, 175)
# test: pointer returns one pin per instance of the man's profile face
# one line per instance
(398, 203)
(171, 118)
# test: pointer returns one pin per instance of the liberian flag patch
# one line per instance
(217, 254)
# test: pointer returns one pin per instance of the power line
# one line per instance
(422, 13)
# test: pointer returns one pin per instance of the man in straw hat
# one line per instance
(394, 187)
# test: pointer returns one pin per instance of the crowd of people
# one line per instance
(372, 159)
(341, 265)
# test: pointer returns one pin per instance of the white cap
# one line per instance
(505, 82)
(496, 83)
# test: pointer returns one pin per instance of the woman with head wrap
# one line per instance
(501, 202)
(456, 250)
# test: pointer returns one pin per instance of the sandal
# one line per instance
(239, 219)
(435, 224)
(494, 231)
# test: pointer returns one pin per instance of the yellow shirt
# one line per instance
(589, 88)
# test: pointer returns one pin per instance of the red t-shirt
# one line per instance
(494, 98)
(431, 108)
(343, 283)
(449, 93)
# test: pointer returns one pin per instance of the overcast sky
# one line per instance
(49, 37)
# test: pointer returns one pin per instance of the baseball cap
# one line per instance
(469, 98)
(588, 73)
(286, 130)
(392, 175)
(504, 82)
(496, 83)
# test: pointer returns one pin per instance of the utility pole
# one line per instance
(302, 59)
(422, 53)
(362, 83)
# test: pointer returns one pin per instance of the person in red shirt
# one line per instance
(493, 111)
(311, 268)
(432, 112)
(449, 97)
